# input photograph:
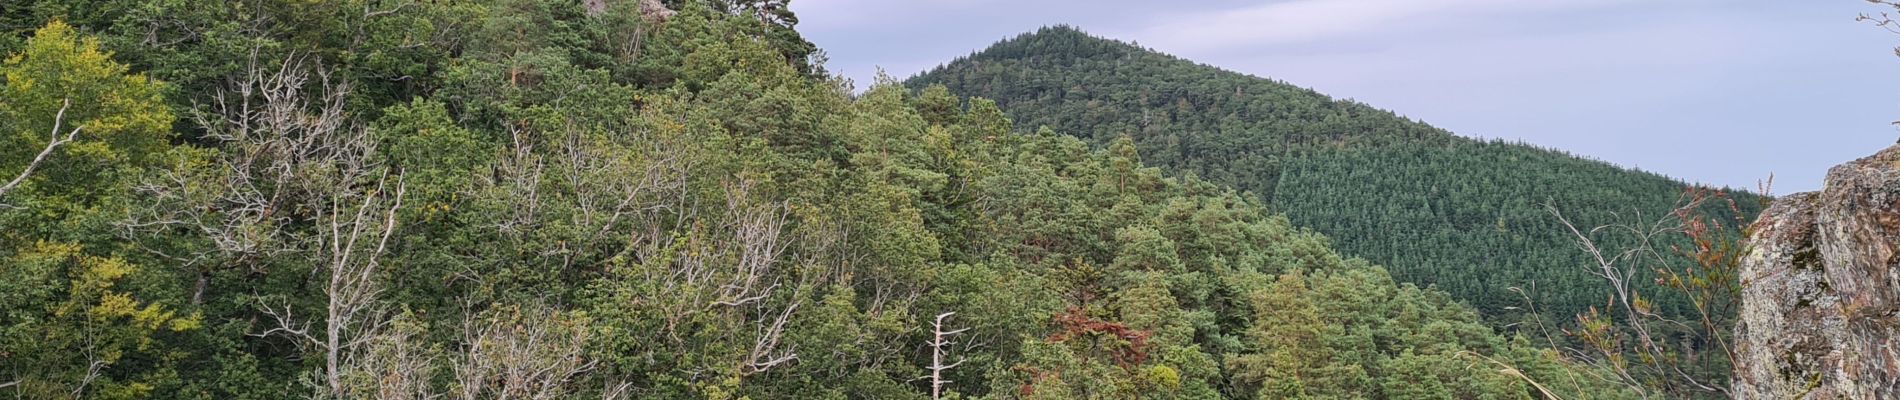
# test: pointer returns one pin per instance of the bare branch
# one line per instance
(289, 149)
(92, 374)
(533, 354)
(52, 143)
(1639, 318)
(762, 356)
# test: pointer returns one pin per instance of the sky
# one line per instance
(1721, 92)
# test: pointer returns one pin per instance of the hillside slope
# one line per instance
(542, 212)
(1466, 215)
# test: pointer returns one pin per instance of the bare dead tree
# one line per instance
(283, 148)
(940, 340)
(397, 365)
(724, 266)
(532, 354)
(52, 143)
(353, 238)
(353, 288)
(287, 149)
(619, 182)
(517, 180)
(608, 187)
(756, 232)
(755, 247)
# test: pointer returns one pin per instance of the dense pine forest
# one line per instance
(639, 199)
(1471, 217)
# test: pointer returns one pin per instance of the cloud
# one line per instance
(1299, 21)
(1711, 90)
(830, 15)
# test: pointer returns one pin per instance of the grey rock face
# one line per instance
(1820, 314)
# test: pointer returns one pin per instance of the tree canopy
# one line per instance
(1469, 217)
(637, 199)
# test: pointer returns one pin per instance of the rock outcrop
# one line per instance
(651, 11)
(1820, 314)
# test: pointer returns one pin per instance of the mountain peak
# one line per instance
(1058, 31)
(1054, 42)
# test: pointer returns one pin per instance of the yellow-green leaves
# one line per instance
(123, 122)
(101, 336)
(97, 324)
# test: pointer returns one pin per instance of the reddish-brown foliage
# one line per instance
(1127, 346)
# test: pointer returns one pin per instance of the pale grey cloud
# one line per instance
(857, 15)
(1306, 21)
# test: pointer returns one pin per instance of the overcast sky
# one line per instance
(1714, 91)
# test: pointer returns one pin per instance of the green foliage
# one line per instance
(550, 199)
(82, 317)
(59, 82)
(1466, 216)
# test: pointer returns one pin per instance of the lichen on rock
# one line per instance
(1821, 290)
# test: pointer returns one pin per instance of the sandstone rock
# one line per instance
(1821, 290)
(652, 11)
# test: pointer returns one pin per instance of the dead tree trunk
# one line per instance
(937, 343)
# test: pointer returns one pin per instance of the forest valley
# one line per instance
(616, 199)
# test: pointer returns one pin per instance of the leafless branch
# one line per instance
(397, 365)
(765, 353)
(1618, 269)
(533, 354)
(286, 149)
(92, 374)
(52, 143)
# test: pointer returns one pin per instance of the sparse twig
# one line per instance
(1706, 280)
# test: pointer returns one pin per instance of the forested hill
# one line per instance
(557, 199)
(1465, 215)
